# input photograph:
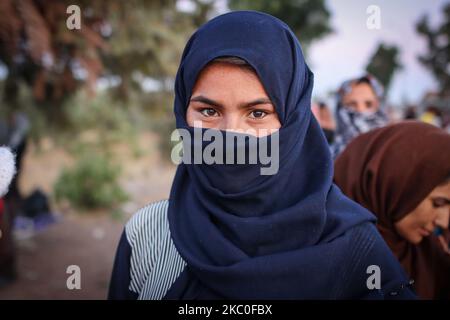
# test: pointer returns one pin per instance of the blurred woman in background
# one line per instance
(359, 109)
(325, 118)
(402, 174)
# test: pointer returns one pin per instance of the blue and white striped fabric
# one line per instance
(155, 263)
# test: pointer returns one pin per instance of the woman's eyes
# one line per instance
(258, 114)
(209, 112)
(440, 202)
(369, 104)
(254, 114)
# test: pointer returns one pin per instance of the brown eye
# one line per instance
(209, 112)
(369, 104)
(258, 114)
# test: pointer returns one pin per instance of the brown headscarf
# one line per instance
(390, 171)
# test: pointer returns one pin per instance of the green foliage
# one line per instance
(384, 63)
(309, 19)
(437, 59)
(111, 118)
(90, 184)
(148, 38)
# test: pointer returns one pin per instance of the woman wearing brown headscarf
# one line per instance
(402, 174)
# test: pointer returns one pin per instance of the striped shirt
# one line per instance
(147, 262)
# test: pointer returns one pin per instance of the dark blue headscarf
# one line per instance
(245, 235)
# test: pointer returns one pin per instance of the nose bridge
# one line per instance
(360, 106)
(230, 121)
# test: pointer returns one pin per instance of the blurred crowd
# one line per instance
(399, 169)
(361, 107)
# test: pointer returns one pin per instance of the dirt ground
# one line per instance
(85, 239)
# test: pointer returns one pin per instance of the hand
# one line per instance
(324, 117)
(444, 244)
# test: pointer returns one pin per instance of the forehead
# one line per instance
(228, 79)
(359, 90)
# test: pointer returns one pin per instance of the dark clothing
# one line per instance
(329, 135)
(148, 266)
(390, 171)
(120, 281)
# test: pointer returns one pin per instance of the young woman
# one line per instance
(230, 232)
(402, 174)
(359, 109)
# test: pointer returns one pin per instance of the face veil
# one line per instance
(245, 235)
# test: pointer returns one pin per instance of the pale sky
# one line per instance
(345, 53)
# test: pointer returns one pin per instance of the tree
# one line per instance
(116, 38)
(37, 47)
(437, 59)
(148, 38)
(384, 63)
(308, 19)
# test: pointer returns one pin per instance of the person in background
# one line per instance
(13, 133)
(325, 118)
(432, 115)
(402, 174)
(410, 113)
(446, 121)
(359, 109)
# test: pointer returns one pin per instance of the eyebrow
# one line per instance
(442, 198)
(244, 105)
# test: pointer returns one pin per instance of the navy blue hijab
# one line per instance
(245, 235)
